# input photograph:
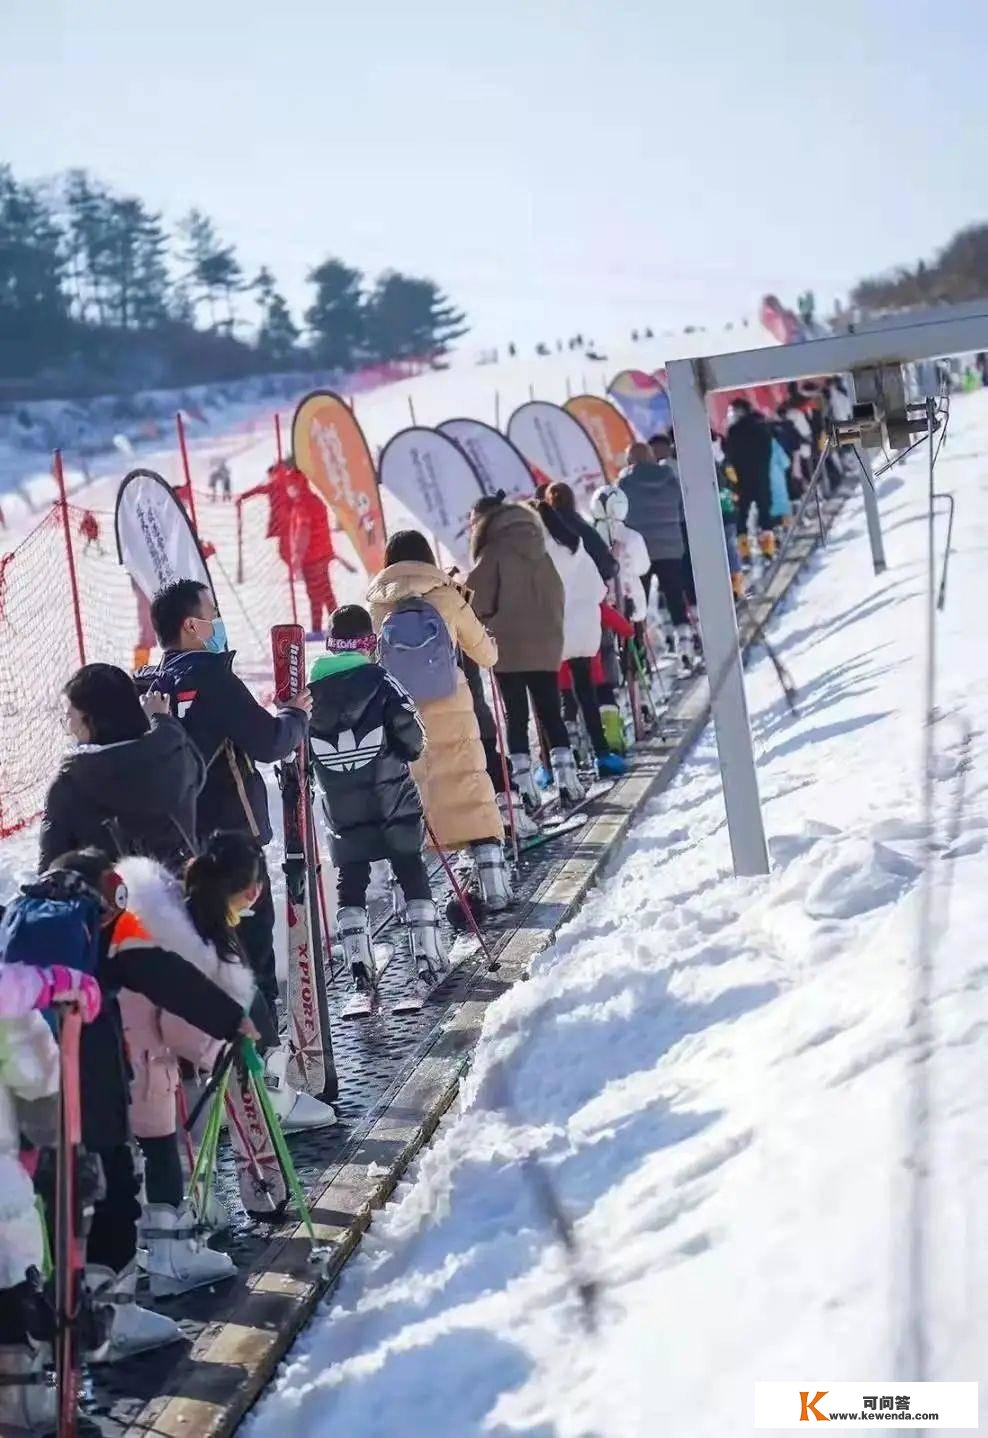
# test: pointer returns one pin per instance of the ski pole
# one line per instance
(505, 774)
(255, 1071)
(67, 1255)
(461, 894)
(182, 1114)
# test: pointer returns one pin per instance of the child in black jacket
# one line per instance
(365, 732)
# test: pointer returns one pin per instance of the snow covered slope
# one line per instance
(480, 391)
(720, 1075)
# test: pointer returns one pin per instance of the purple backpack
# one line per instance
(415, 648)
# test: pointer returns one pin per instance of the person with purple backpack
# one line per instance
(424, 621)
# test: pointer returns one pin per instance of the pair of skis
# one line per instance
(264, 1184)
(310, 1065)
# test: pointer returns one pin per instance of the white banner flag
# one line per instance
(155, 541)
(558, 445)
(437, 484)
(498, 463)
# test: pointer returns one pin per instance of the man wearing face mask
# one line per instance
(232, 732)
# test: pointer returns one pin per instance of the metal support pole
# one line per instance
(718, 621)
(872, 513)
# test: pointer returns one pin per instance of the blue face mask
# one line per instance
(217, 641)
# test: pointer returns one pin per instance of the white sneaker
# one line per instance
(525, 826)
(492, 876)
(521, 773)
(177, 1260)
(28, 1403)
(294, 1110)
(571, 790)
(431, 960)
(353, 932)
(134, 1329)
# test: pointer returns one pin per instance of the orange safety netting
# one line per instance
(39, 647)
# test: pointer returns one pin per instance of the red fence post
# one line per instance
(240, 540)
(180, 425)
(63, 505)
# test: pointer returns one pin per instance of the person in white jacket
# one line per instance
(609, 508)
(584, 592)
(29, 1072)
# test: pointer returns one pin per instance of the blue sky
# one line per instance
(555, 165)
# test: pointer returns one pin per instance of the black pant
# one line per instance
(584, 690)
(162, 1170)
(671, 581)
(758, 493)
(256, 936)
(410, 871)
(485, 722)
(113, 1235)
(688, 580)
(543, 687)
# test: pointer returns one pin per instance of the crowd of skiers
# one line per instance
(153, 881)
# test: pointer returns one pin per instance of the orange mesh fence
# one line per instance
(39, 649)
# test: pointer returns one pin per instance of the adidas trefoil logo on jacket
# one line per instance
(347, 753)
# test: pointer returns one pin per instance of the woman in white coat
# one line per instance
(584, 592)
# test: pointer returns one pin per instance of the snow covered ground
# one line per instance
(722, 1077)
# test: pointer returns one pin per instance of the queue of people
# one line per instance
(157, 823)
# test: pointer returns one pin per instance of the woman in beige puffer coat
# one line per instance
(452, 776)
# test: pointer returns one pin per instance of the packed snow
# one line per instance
(721, 1077)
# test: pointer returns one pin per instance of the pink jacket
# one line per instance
(157, 1040)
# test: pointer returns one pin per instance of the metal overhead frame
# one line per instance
(874, 359)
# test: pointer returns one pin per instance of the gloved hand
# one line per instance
(69, 986)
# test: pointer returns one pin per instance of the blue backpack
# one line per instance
(53, 921)
(416, 649)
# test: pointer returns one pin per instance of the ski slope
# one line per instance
(722, 1077)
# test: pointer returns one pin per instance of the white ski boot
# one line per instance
(295, 1111)
(493, 876)
(521, 773)
(353, 932)
(133, 1329)
(686, 647)
(525, 826)
(428, 947)
(28, 1405)
(176, 1259)
(571, 790)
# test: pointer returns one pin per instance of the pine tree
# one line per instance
(34, 318)
(336, 318)
(212, 268)
(277, 334)
(411, 318)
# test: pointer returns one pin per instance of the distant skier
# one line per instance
(220, 479)
(89, 531)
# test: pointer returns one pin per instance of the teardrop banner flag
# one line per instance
(156, 543)
(435, 481)
(642, 399)
(607, 427)
(557, 444)
(330, 449)
(498, 464)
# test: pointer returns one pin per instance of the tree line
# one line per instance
(959, 272)
(97, 293)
